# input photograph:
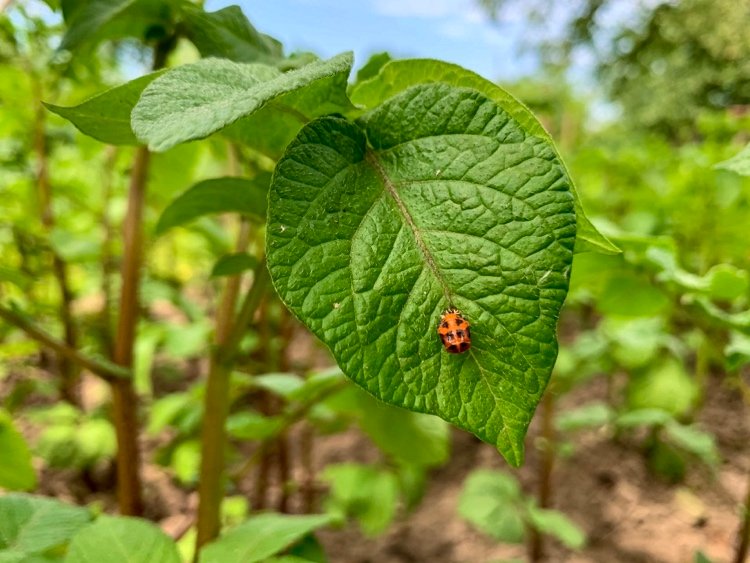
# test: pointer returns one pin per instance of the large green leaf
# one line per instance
(16, 471)
(260, 537)
(435, 199)
(122, 540)
(228, 34)
(106, 116)
(396, 76)
(35, 525)
(217, 195)
(196, 100)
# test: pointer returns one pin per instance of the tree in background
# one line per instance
(656, 61)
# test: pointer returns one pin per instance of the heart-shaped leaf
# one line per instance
(437, 198)
(396, 76)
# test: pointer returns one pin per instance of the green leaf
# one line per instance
(727, 282)
(643, 417)
(87, 21)
(372, 66)
(421, 440)
(228, 34)
(36, 525)
(250, 425)
(554, 523)
(366, 493)
(233, 264)
(396, 76)
(592, 415)
(739, 163)
(260, 537)
(665, 386)
(122, 540)
(628, 295)
(282, 384)
(96, 440)
(186, 461)
(16, 471)
(106, 116)
(217, 195)
(196, 100)
(449, 204)
(695, 441)
(491, 501)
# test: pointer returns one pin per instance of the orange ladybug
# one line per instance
(454, 331)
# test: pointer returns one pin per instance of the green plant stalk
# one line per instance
(69, 373)
(100, 367)
(229, 333)
(124, 398)
(546, 464)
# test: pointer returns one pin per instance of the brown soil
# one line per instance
(629, 515)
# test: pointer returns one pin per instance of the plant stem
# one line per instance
(100, 367)
(69, 373)
(546, 463)
(229, 333)
(124, 398)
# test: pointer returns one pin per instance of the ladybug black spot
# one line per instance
(460, 321)
(453, 348)
(445, 324)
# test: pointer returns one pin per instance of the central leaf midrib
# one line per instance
(390, 188)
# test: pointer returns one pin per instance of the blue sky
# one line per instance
(452, 30)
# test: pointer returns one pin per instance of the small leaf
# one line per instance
(693, 440)
(250, 425)
(106, 116)
(217, 195)
(372, 66)
(421, 440)
(366, 493)
(666, 386)
(16, 471)
(233, 264)
(396, 76)
(554, 523)
(284, 385)
(261, 537)
(450, 203)
(186, 461)
(491, 501)
(228, 34)
(643, 417)
(739, 163)
(193, 101)
(592, 415)
(36, 525)
(122, 540)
